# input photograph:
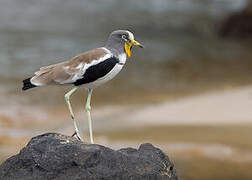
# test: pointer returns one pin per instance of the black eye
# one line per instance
(124, 37)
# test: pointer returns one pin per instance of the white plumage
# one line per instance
(89, 70)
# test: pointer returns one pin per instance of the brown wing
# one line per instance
(66, 72)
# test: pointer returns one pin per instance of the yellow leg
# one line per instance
(88, 109)
(67, 98)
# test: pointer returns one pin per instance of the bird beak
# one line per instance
(128, 45)
(135, 43)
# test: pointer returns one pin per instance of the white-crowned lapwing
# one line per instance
(89, 70)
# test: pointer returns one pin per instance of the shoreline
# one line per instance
(229, 107)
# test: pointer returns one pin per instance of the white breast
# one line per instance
(122, 58)
(110, 75)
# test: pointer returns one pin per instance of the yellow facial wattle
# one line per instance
(127, 48)
(128, 45)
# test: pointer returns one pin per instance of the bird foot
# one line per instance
(76, 135)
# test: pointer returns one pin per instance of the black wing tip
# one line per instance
(27, 84)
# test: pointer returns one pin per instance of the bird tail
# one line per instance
(27, 84)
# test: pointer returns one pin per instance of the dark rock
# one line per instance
(56, 156)
(238, 25)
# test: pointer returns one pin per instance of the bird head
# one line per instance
(125, 39)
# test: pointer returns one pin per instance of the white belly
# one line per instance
(105, 78)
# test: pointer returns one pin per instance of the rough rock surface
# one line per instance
(56, 156)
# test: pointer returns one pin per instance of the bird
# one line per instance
(88, 70)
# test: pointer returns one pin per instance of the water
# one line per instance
(37, 33)
(182, 55)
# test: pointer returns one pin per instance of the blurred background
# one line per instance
(188, 92)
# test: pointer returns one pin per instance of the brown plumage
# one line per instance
(88, 70)
(61, 72)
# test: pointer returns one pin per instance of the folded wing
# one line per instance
(70, 71)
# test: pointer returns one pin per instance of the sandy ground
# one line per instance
(213, 108)
(217, 151)
(225, 107)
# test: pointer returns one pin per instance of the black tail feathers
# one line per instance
(27, 84)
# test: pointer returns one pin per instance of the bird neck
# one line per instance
(116, 48)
